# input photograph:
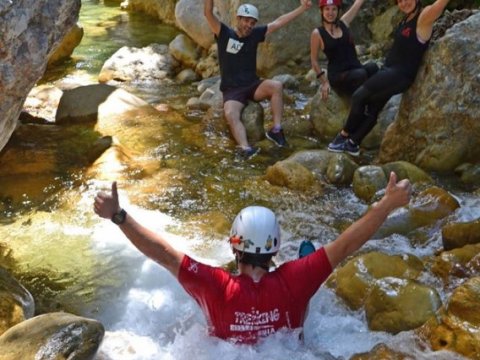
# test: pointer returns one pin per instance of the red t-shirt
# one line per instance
(238, 308)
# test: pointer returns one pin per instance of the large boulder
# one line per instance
(354, 281)
(457, 325)
(395, 305)
(67, 46)
(437, 126)
(150, 64)
(189, 17)
(164, 10)
(52, 336)
(290, 174)
(455, 235)
(31, 31)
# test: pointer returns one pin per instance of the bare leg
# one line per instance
(272, 90)
(233, 111)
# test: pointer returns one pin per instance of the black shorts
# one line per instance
(241, 94)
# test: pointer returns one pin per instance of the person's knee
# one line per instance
(231, 115)
(360, 95)
(277, 87)
(371, 68)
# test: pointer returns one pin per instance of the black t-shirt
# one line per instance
(340, 52)
(407, 52)
(238, 56)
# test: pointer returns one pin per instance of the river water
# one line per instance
(71, 260)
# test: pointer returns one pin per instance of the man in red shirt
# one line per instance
(256, 302)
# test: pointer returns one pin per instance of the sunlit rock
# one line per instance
(184, 50)
(354, 280)
(431, 205)
(406, 170)
(16, 303)
(456, 263)
(457, 325)
(437, 127)
(455, 235)
(67, 46)
(163, 10)
(395, 305)
(86, 104)
(42, 102)
(368, 180)
(290, 174)
(30, 31)
(189, 17)
(314, 160)
(150, 64)
(52, 336)
(340, 169)
(381, 352)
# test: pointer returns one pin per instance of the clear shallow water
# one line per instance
(71, 260)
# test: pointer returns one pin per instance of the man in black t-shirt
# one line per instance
(237, 55)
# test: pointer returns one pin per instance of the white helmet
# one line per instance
(255, 230)
(248, 10)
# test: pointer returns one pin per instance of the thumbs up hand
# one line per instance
(106, 204)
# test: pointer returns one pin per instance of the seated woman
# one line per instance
(411, 40)
(345, 72)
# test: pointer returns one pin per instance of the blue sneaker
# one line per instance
(246, 154)
(278, 137)
(351, 148)
(306, 248)
(338, 144)
(343, 144)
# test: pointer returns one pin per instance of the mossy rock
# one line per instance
(353, 281)
(291, 175)
(455, 235)
(431, 205)
(457, 325)
(395, 305)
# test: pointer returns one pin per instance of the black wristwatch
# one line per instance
(119, 217)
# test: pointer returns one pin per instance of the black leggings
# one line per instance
(370, 98)
(346, 82)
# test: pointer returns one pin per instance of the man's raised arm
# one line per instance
(151, 244)
(357, 234)
(212, 20)
(286, 18)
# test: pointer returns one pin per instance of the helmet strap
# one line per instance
(260, 260)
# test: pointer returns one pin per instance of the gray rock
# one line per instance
(31, 30)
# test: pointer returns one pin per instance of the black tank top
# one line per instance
(341, 53)
(407, 51)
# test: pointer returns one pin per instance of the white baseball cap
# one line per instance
(248, 10)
